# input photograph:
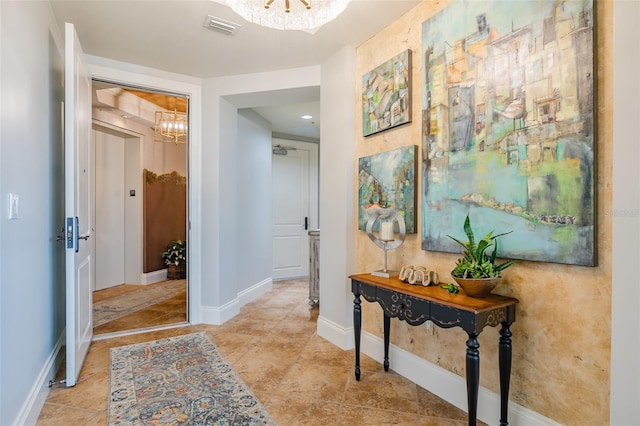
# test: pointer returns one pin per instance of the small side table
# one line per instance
(416, 304)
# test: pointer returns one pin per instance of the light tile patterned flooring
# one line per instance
(170, 311)
(300, 378)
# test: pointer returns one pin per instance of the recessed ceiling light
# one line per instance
(306, 117)
(126, 116)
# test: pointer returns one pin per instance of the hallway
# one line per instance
(300, 378)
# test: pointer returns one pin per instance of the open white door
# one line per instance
(77, 176)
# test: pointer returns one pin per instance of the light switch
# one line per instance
(13, 206)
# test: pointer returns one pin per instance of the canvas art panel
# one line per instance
(386, 95)
(508, 127)
(387, 180)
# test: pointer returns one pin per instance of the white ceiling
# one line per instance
(169, 35)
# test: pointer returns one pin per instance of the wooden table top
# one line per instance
(439, 295)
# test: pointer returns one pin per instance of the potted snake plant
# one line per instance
(477, 271)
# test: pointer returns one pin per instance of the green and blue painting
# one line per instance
(508, 127)
(387, 180)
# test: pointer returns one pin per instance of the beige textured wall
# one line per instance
(561, 337)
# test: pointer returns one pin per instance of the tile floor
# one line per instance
(300, 378)
(170, 311)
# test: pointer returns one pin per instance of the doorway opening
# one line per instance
(140, 169)
(295, 206)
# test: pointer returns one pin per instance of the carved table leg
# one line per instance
(473, 376)
(505, 371)
(357, 323)
(387, 328)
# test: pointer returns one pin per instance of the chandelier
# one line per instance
(305, 15)
(171, 126)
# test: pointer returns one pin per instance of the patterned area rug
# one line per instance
(125, 304)
(180, 380)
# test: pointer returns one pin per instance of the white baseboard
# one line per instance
(32, 406)
(299, 277)
(255, 291)
(217, 315)
(154, 277)
(435, 379)
(340, 336)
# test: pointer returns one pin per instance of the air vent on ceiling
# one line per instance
(217, 24)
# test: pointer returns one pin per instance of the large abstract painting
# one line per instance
(386, 95)
(508, 127)
(387, 180)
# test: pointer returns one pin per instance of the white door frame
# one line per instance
(194, 176)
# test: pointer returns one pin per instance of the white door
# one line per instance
(294, 210)
(109, 210)
(77, 176)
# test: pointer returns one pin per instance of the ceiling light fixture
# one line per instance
(305, 15)
(306, 117)
(170, 126)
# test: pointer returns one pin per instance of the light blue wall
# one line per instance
(337, 196)
(253, 256)
(226, 137)
(227, 291)
(31, 265)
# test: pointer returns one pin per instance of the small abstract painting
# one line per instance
(509, 127)
(387, 180)
(386, 95)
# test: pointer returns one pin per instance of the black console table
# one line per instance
(416, 304)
